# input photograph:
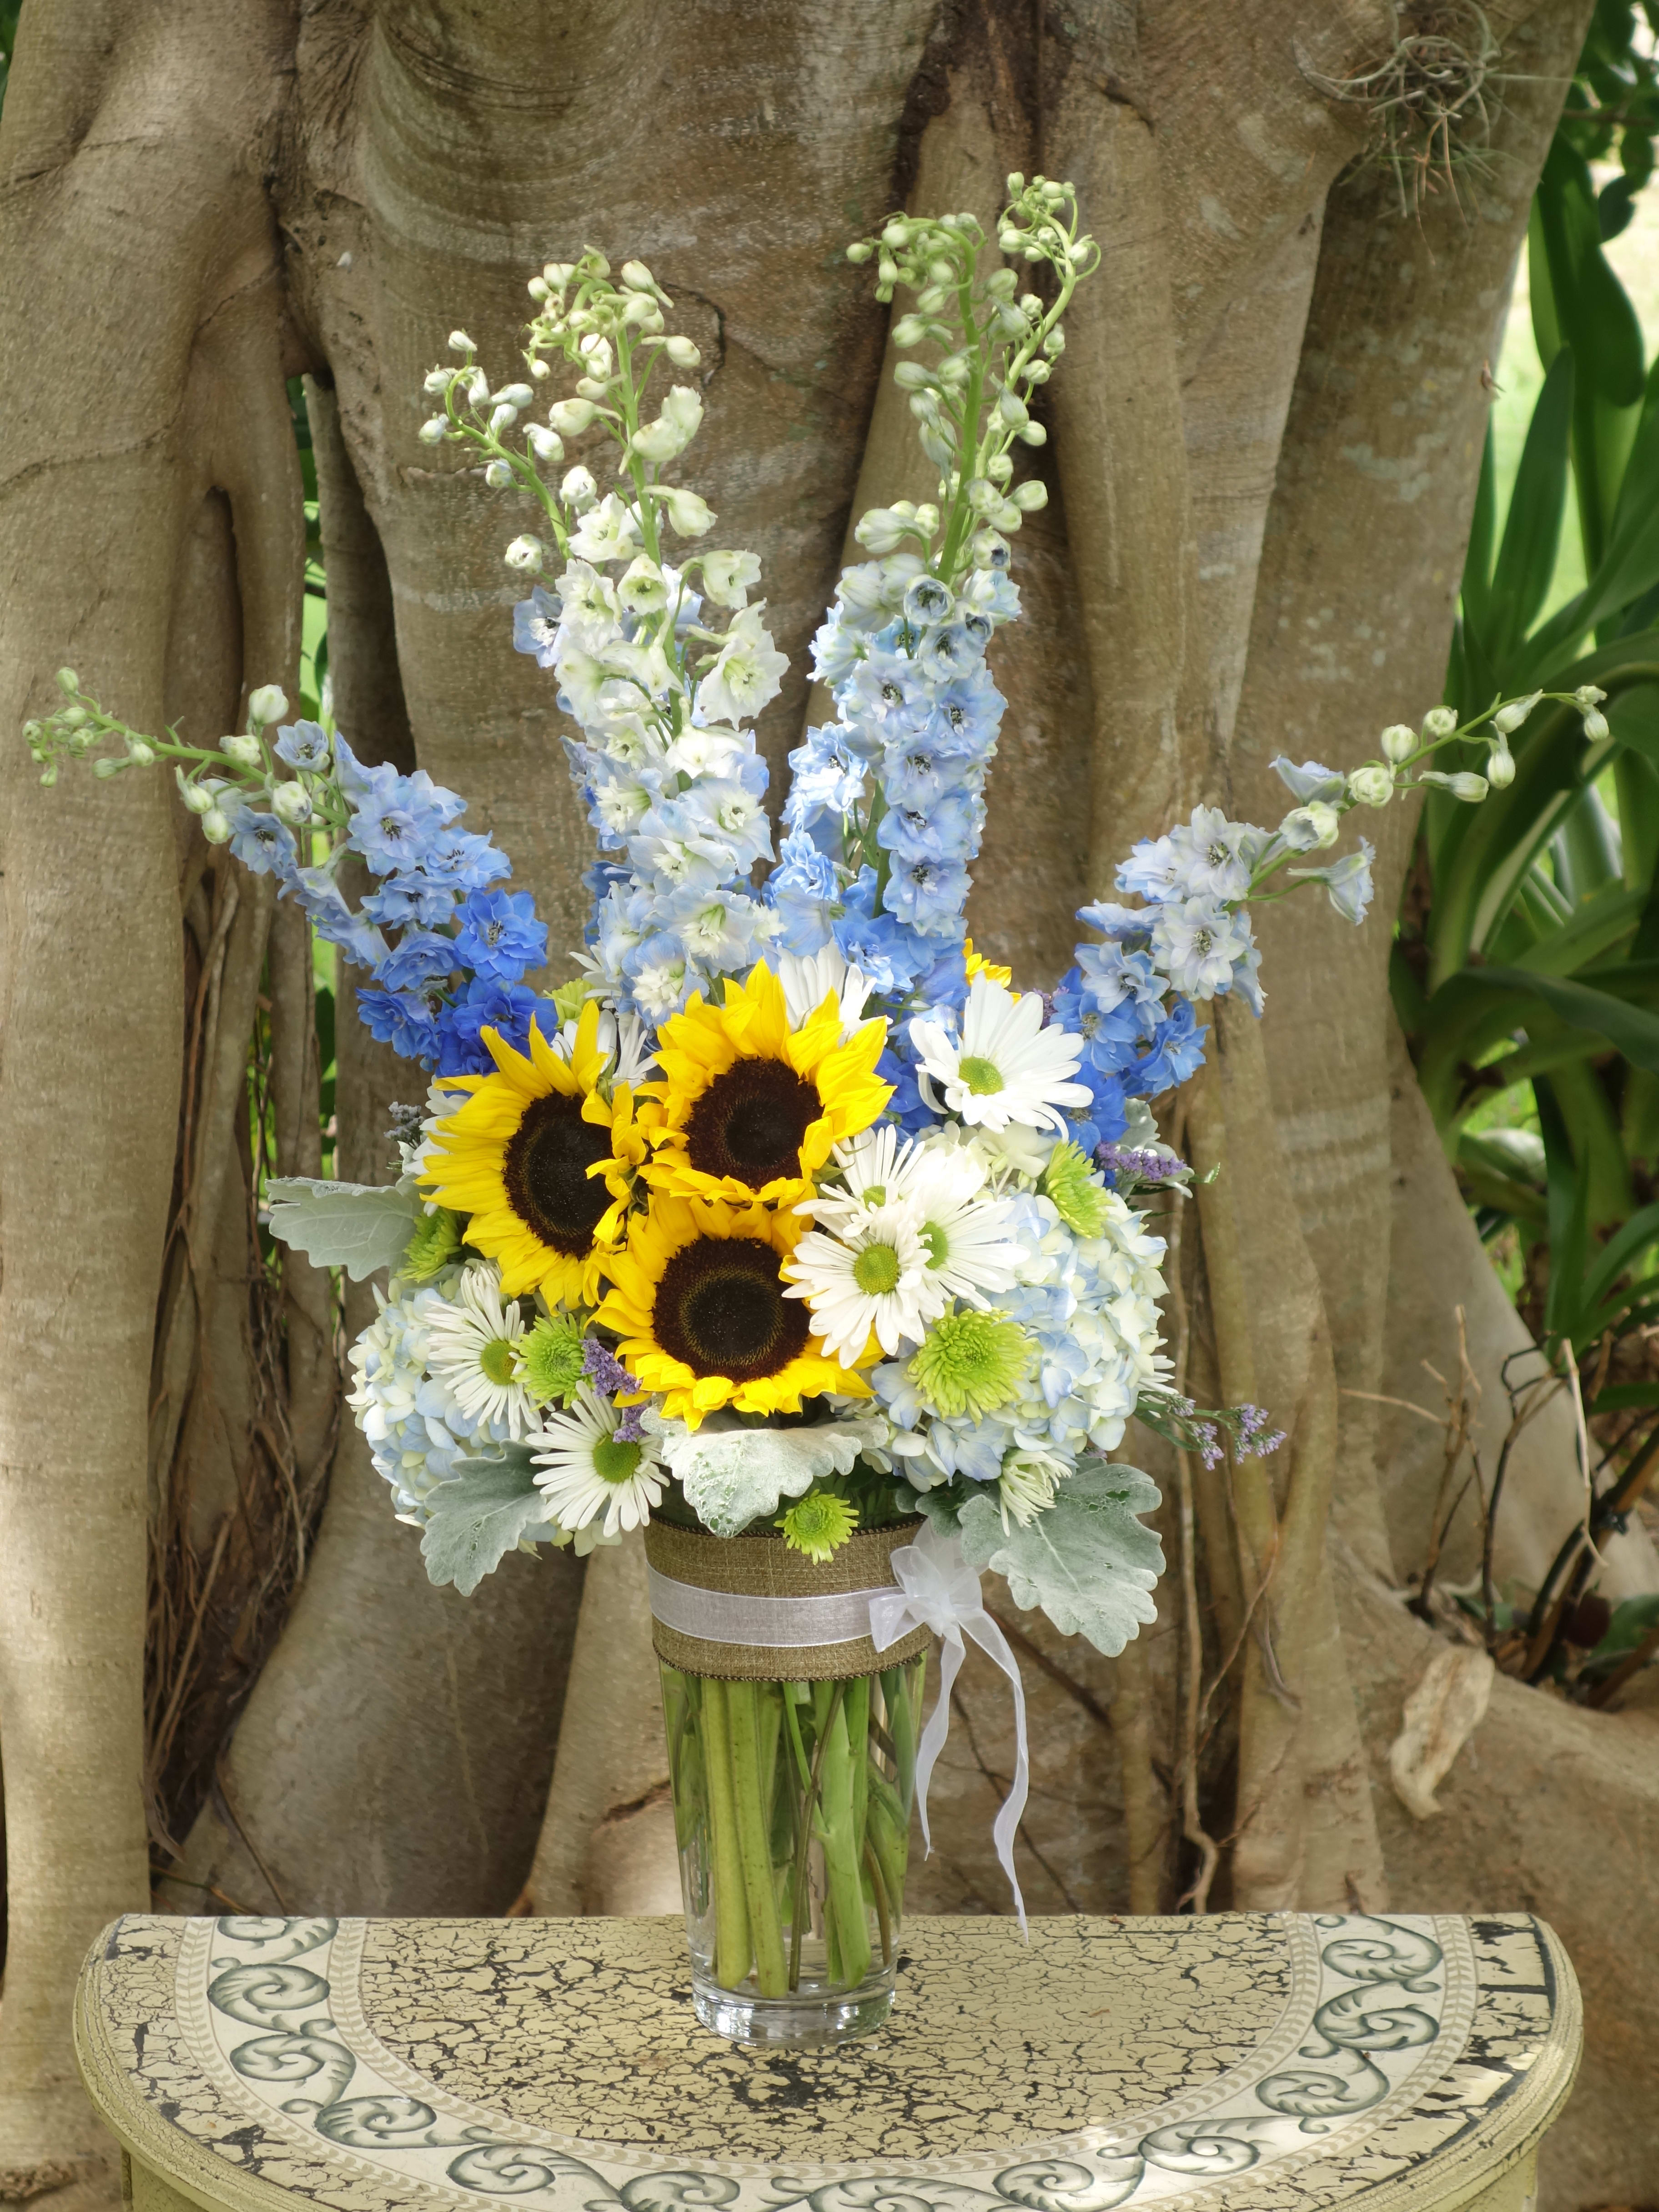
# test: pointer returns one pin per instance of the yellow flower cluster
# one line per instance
(677, 1194)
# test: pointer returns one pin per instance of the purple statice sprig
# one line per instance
(605, 1370)
(1210, 1431)
(1131, 1167)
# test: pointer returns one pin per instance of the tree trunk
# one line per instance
(1265, 433)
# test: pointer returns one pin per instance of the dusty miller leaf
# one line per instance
(729, 1476)
(1087, 1561)
(479, 1514)
(354, 1225)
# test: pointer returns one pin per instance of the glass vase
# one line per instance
(792, 1812)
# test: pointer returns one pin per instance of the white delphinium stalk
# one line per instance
(595, 1461)
(677, 805)
(1004, 1066)
(472, 1351)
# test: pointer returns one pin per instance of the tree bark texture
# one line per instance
(1264, 439)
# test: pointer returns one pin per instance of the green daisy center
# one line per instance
(983, 1077)
(971, 1363)
(876, 1270)
(500, 1359)
(614, 1462)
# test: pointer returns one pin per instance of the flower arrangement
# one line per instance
(788, 1212)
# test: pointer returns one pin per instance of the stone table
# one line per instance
(1246, 2062)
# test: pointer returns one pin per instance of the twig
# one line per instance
(252, 1847)
(1629, 1664)
(161, 1741)
(1191, 1819)
(1576, 1384)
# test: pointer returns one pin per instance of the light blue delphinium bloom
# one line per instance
(421, 956)
(498, 934)
(536, 626)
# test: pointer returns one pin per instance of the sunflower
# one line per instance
(749, 1107)
(541, 1162)
(698, 1300)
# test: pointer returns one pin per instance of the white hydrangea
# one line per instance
(415, 1431)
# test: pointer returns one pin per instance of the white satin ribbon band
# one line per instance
(938, 1589)
(766, 1624)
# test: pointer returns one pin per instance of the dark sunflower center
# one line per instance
(545, 1171)
(720, 1307)
(750, 1121)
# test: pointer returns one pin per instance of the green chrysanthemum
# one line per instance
(1078, 1194)
(571, 997)
(550, 1355)
(436, 1241)
(818, 1525)
(971, 1363)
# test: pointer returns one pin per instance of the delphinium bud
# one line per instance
(1439, 722)
(459, 343)
(1509, 718)
(526, 553)
(1398, 743)
(1372, 785)
(268, 704)
(578, 490)
(246, 751)
(291, 803)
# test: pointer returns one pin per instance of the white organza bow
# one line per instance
(939, 1589)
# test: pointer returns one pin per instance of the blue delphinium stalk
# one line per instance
(444, 953)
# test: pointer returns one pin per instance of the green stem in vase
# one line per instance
(802, 1911)
(884, 1910)
(732, 1944)
(888, 1834)
(750, 1788)
(842, 1844)
(858, 1744)
(902, 1729)
(791, 1702)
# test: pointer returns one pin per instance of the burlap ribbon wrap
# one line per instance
(750, 1609)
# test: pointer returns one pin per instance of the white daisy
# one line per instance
(962, 1233)
(808, 979)
(871, 1274)
(1004, 1066)
(585, 1468)
(472, 1351)
(970, 1250)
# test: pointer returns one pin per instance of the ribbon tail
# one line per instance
(951, 1654)
(991, 1641)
